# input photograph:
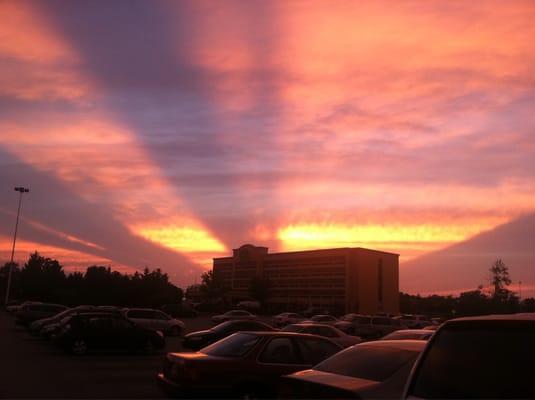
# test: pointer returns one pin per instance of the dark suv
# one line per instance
(104, 331)
(478, 357)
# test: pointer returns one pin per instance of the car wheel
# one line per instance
(79, 347)
(176, 331)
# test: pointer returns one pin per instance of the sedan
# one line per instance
(323, 319)
(233, 315)
(245, 364)
(82, 333)
(155, 319)
(368, 370)
(287, 318)
(200, 339)
(328, 331)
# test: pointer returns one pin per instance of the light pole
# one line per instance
(21, 190)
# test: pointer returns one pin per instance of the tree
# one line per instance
(259, 289)
(212, 285)
(499, 278)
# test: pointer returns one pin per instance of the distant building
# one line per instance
(345, 279)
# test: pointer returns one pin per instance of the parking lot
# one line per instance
(33, 368)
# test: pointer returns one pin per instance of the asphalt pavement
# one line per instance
(33, 368)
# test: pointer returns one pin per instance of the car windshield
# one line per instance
(478, 360)
(376, 363)
(236, 345)
(292, 328)
(407, 336)
(222, 327)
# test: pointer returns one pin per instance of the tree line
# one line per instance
(495, 299)
(44, 279)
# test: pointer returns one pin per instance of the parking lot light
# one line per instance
(21, 190)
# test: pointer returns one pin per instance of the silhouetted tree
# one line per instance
(44, 279)
(212, 286)
(499, 278)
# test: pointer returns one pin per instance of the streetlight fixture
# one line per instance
(21, 190)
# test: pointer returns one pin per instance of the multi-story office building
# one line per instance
(345, 279)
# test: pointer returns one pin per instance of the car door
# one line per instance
(98, 333)
(160, 321)
(123, 334)
(314, 350)
(279, 357)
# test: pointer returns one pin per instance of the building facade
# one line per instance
(344, 280)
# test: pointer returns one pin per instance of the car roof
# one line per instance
(306, 324)
(497, 317)
(287, 334)
(411, 345)
(414, 331)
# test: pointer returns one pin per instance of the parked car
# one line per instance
(30, 312)
(36, 326)
(478, 357)
(155, 319)
(370, 327)
(328, 331)
(310, 311)
(200, 339)
(371, 370)
(431, 327)
(233, 315)
(82, 333)
(249, 305)
(413, 321)
(12, 305)
(409, 334)
(287, 318)
(245, 364)
(51, 328)
(322, 319)
(180, 310)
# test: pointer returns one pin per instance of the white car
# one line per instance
(287, 318)
(232, 316)
(155, 319)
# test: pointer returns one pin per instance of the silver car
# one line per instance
(155, 319)
(328, 331)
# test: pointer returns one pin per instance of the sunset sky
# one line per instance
(165, 133)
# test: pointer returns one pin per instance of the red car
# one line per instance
(247, 364)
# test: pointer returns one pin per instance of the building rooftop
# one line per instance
(297, 252)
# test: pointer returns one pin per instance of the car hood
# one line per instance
(348, 383)
(186, 356)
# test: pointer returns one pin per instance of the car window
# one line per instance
(292, 328)
(363, 320)
(254, 326)
(141, 314)
(279, 351)
(236, 345)
(381, 321)
(327, 332)
(119, 323)
(376, 363)
(160, 316)
(315, 350)
(483, 360)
